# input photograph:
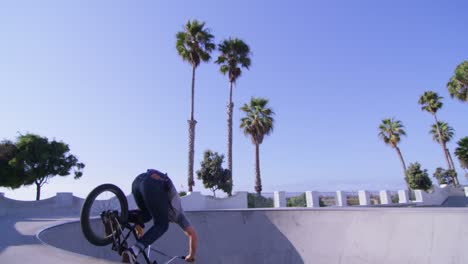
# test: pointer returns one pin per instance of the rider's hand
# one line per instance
(190, 258)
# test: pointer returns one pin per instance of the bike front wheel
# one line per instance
(103, 212)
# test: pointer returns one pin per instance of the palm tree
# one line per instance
(446, 132)
(257, 123)
(431, 102)
(458, 84)
(390, 131)
(194, 44)
(462, 152)
(234, 56)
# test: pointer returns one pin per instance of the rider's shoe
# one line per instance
(139, 230)
(128, 256)
(131, 255)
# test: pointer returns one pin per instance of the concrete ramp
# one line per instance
(353, 235)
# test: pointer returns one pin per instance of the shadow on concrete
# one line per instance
(19, 231)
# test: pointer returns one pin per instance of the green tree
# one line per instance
(462, 153)
(458, 84)
(10, 176)
(213, 175)
(445, 176)
(39, 160)
(194, 44)
(257, 123)
(390, 131)
(431, 102)
(234, 56)
(417, 178)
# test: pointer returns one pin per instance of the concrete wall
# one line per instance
(329, 236)
(436, 197)
(66, 203)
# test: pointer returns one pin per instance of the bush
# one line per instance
(417, 178)
(258, 201)
(325, 201)
(297, 201)
(182, 193)
(352, 200)
(444, 176)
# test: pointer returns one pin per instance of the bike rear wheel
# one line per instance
(104, 210)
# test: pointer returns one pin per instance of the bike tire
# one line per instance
(85, 215)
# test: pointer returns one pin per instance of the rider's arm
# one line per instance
(193, 239)
(183, 222)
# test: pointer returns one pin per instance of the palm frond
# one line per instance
(234, 56)
(258, 121)
(390, 131)
(430, 101)
(462, 152)
(458, 84)
(446, 131)
(195, 43)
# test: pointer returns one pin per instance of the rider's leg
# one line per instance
(157, 203)
(138, 196)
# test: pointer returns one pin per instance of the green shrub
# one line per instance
(325, 201)
(297, 201)
(258, 201)
(445, 176)
(417, 178)
(352, 200)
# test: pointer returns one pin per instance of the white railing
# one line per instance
(195, 201)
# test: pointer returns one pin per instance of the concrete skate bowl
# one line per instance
(361, 235)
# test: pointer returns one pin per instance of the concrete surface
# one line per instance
(350, 235)
(325, 235)
(19, 244)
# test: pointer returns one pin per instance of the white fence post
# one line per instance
(312, 199)
(364, 198)
(341, 198)
(466, 191)
(403, 196)
(422, 196)
(279, 199)
(385, 197)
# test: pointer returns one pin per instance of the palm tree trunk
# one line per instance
(230, 113)
(401, 159)
(403, 163)
(450, 156)
(258, 180)
(193, 93)
(192, 122)
(455, 179)
(442, 143)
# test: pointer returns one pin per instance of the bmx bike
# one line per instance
(108, 221)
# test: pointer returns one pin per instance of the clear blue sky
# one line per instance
(105, 77)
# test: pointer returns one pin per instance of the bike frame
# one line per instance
(119, 238)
